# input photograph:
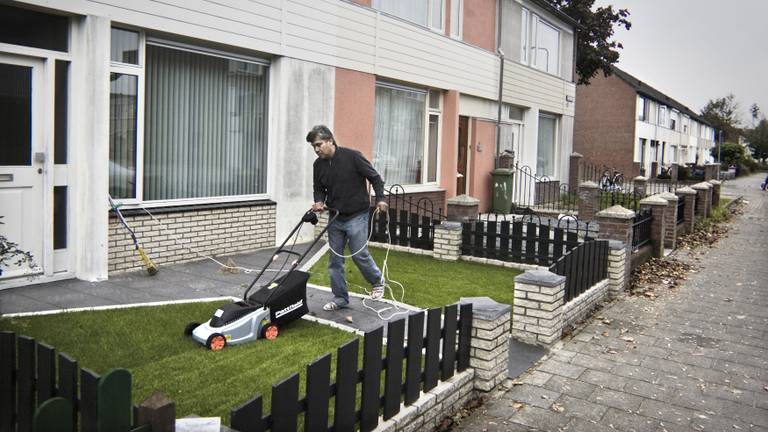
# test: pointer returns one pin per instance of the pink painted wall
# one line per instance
(354, 110)
(480, 24)
(363, 2)
(449, 143)
(482, 135)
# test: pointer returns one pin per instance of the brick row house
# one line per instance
(624, 123)
(192, 114)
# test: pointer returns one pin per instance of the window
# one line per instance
(662, 120)
(673, 154)
(546, 50)
(513, 112)
(673, 117)
(524, 48)
(33, 29)
(686, 123)
(457, 18)
(428, 13)
(545, 159)
(407, 133)
(642, 108)
(184, 123)
(641, 156)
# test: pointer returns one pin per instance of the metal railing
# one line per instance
(641, 229)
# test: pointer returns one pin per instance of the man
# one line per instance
(339, 183)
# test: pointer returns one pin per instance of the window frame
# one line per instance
(534, 45)
(662, 120)
(457, 31)
(642, 114)
(525, 42)
(139, 70)
(555, 143)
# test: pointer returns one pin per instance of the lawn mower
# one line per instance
(278, 302)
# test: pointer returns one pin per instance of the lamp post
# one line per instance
(719, 148)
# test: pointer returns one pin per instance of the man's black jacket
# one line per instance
(340, 182)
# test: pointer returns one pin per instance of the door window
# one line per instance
(15, 115)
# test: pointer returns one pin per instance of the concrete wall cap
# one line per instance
(712, 163)
(588, 185)
(486, 308)
(702, 185)
(543, 278)
(448, 225)
(640, 179)
(716, 182)
(576, 154)
(685, 191)
(653, 200)
(616, 212)
(669, 196)
(463, 200)
(615, 244)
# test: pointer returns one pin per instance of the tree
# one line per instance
(754, 111)
(723, 114)
(758, 140)
(594, 48)
(731, 153)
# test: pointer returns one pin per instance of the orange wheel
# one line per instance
(216, 342)
(271, 332)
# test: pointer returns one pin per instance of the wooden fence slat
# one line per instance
(393, 383)
(465, 336)
(559, 245)
(479, 236)
(7, 381)
(369, 411)
(466, 238)
(54, 415)
(426, 235)
(571, 240)
(504, 242)
(392, 220)
(413, 223)
(403, 228)
(318, 394)
(285, 407)
(68, 382)
(569, 279)
(517, 241)
(449, 341)
(25, 380)
(247, 417)
(89, 382)
(413, 362)
(542, 248)
(46, 372)
(113, 403)
(491, 240)
(346, 384)
(530, 243)
(432, 360)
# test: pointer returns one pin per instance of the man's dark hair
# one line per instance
(320, 132)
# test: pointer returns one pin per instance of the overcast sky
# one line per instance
(697, 50)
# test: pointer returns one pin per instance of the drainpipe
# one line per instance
(501, 83)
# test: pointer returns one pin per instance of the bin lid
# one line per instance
(502, 172)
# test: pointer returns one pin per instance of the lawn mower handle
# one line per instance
(335, 213)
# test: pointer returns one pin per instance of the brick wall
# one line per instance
(436, 200)
(604, 127)
(210, 231)
(582, 306)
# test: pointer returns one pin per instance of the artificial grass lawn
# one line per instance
(428, 282)
(149, 342)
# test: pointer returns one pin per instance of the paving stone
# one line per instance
(648, 390)
(531, 395)
(540, 418)
(626, 422)
(536, 378)
(602, 379)
(581, 408)
(570, 387)
(665, 411)
(563, 369)
(615, 399)
(637, 372)
(592, 362)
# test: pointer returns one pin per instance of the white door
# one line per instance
(22, 157)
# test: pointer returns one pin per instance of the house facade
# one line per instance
(192, 115)
(623, 123)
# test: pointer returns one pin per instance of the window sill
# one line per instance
(176, 206)
(417, 188)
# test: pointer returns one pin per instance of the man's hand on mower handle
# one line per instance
(318, 207)
(382, 206)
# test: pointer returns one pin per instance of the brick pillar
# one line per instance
(588, 200)
(617, 265)
(640, 185)
(670, 219)
(711, 171)
(538, 311)
(657, 205)
(702, 193)
(462, 207)
(654, 169)
(673, 172)
(447, 245)
(689, 219)
(616, 224)
(575, 171)
(716, 186)
(489, 353)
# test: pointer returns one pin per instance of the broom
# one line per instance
(151, 267)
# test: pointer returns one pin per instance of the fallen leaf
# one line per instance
(627, 339)
(557, 408)
(606, 334)
(518, 405)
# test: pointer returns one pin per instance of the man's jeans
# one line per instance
(355, 231)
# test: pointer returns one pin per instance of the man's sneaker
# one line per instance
(331, 306)
(377, 292)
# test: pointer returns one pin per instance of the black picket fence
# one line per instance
(659, 186)
(627, 199)
(34, 397)
(680, 210)
(408, 222)
(583, 267)
(422, 372)
(641, 229)
(531, 193)
(523, 241)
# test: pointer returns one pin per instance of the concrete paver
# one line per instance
(696, 360)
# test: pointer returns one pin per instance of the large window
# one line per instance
(457, 21)
(642, 108)
(407, 133)
(539, 43)
(662, 120)
(185, 123)
(428, 13)
(545, 159)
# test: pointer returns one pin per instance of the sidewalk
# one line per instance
(694, 359)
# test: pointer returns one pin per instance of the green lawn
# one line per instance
(149, 342)
(429, 282)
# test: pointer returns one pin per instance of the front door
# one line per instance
(22, 161)
(461, 165)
